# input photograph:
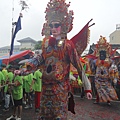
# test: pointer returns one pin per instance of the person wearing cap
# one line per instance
(24, 93)
(17, 93)
(1, 85)
(22, 69)
(37, 88)
(28, 83)
(5, 72)
(7, 89)
(2, 79)
(28, 79)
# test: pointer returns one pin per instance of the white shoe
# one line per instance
(24, 102)
(15, 117)
(27, 107)
(18, 118)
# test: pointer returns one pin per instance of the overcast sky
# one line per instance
(105, 14)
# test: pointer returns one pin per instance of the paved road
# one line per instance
(85, 110)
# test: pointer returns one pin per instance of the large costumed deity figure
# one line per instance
(118, 82)
(57, 54)
(106, 72)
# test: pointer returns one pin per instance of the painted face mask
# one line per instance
(55, 28)
(102, 55)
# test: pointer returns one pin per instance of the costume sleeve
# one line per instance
(35, 62)
(75, 60)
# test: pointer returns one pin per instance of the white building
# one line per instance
(115, 36)
(27, 43)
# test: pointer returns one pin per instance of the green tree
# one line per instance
(25, 49)
(38, 45)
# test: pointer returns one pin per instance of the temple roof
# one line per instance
(28, 39)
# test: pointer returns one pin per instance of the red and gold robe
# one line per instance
(56, 67)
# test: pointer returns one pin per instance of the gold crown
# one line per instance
(57, 10)
(103, 45)
(102, 40)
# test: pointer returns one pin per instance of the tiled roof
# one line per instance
(28, 39)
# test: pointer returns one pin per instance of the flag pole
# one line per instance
(17, 24)
(12, 31)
